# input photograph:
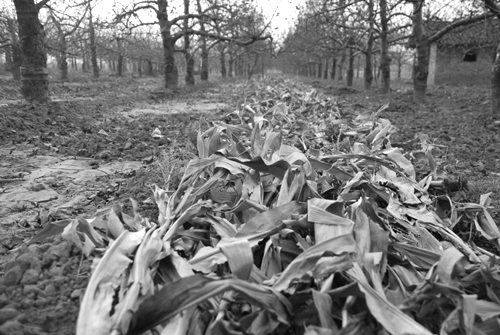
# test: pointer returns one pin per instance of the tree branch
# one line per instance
(492, 7)
(41, 4)
(251, 39)
(460, 23)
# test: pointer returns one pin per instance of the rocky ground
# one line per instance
(101, 143)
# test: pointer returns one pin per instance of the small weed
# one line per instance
(487, 184)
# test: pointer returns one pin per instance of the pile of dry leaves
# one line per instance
(295, 219)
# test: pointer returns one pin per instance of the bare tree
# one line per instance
(64, 29)
(170, 33)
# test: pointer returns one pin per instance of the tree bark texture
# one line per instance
(385, 59)
(93, 45)
(34, 77)
(170, 72)
(421, 66)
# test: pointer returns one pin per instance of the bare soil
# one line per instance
(93, 146)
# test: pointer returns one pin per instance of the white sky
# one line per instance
(285, 10)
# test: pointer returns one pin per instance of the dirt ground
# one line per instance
(101, 143)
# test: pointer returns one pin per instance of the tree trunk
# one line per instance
(204, 60)
(171, 74)
(93, 45)
(187, 45)
(369, 49)
(204, 49)
(15, 67)
(34, 77)
(241, 66)
(139, 66)
(350, 68)
(325, 73)
(223, 70)
(119, 46)
(63, 61)
(421, 66)
(231, 66)
(358, 66)
(149, 67)
(334, 68)
(385, 59)
(252, 69)
(320, 69)
(189, 68)
(340, 75)
(495, 84)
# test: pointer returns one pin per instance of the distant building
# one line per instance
(464, 56)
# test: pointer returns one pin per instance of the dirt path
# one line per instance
(92, 147)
